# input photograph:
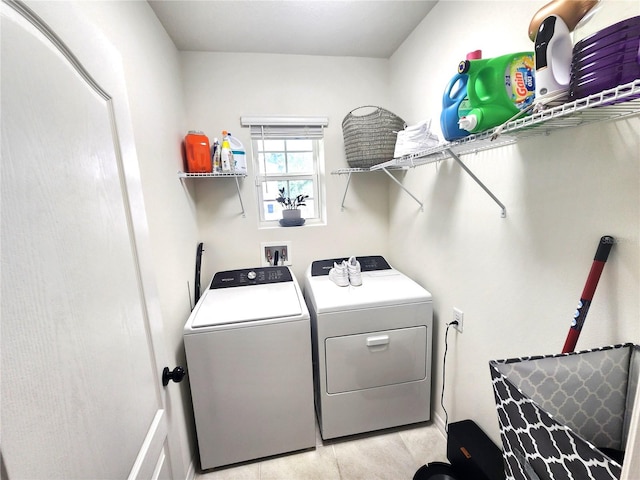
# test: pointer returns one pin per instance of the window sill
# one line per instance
(311, 222)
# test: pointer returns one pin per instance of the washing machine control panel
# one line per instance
(367, 264)
(251, 276)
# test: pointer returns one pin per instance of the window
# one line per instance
(288, 153)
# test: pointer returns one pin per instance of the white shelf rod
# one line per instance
(357, 170)
(348, 171)
(503, 213)
(403, 188)
(240, 197)
(346, 188)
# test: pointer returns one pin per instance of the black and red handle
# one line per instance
(604, 247)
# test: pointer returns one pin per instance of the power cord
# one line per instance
(444, 364)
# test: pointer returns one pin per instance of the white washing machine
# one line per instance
(248, 349)
(371, 348)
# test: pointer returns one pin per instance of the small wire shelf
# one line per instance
(236, 175)
(211, 174)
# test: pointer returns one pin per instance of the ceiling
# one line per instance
(358, 28)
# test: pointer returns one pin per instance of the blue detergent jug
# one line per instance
(455, 105)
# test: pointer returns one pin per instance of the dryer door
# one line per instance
(368, 360)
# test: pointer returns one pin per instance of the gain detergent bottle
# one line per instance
(497, 88)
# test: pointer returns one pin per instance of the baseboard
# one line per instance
(439, 422)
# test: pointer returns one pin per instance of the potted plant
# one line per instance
(290, 206)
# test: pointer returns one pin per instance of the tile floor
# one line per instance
(393, 454)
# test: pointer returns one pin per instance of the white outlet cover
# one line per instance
(458, 316)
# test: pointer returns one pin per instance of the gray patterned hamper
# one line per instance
(566, 416)
(370, 138)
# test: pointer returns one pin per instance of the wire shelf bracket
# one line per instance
(235, 175)
(403, 188)
(349, 172)
(503, 209)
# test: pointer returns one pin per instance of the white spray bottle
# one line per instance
(226, 155)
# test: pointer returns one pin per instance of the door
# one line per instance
(81, 333)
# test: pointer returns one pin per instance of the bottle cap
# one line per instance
(468, 122)
(463, 66)
(475, 55)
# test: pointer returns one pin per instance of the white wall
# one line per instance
(517, 279)
(154, 87)
(220, 87)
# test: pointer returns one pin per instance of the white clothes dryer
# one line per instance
(248, 349)
(372, 348)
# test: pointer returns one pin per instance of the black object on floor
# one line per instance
(472, 453)
(436, 471)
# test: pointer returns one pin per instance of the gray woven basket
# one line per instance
(370, 138)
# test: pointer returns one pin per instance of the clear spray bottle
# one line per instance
(215, 156)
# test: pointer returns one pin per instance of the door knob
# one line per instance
(176, 375)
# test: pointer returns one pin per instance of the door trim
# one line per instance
(152, 449)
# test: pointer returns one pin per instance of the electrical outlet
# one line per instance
(268, 253)
(458, 316)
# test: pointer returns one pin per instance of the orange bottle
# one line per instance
(198, 154)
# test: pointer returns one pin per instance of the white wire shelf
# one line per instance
(613, 104)
(343, 171)
(211, 174)
(585, 111)
(236, 175)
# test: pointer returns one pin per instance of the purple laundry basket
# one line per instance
(606, 59)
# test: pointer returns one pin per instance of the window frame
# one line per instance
(287, 129)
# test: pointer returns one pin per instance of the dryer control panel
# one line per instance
(251, 276)
(367, 264)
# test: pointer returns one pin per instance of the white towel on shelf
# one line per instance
(415, 139)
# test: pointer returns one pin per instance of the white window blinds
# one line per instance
(285, 127)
